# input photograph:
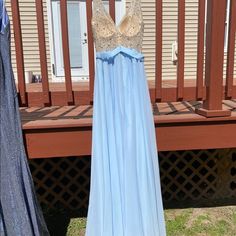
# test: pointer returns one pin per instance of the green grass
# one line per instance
(199, 222)
(176, 225)
(76, 227)
(217, 221)
(234, 217)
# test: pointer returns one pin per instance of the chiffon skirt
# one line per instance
(125, 192)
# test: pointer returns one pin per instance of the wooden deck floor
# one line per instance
(53, 116)
(66, 130)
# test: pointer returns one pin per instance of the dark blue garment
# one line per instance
(20, 213)
(4, 19)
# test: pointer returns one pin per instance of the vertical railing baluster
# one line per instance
(19, 51)
(90, 48)
(200, 47)
(231, 49)
(215, 31)
(181, 42)
(66, 51)
(112, 9)
(158, 68)
(42, 50)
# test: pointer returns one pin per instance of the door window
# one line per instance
(77, 30)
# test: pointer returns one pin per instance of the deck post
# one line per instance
(19, 52)
(215, 32)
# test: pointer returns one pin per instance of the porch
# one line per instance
(195, 119)
(62, 131)
(189, 114)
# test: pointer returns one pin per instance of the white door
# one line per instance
(77, 29)
(77, 39)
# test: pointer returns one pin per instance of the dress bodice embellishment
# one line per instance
(128, 33)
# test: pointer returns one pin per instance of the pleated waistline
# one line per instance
(105, 55)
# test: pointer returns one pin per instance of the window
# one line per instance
(77, 30)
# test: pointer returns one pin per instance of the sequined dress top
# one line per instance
(129, 32)
(125, 194)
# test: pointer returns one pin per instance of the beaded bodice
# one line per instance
(129, 32)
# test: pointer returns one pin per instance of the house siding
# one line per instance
(30, 36)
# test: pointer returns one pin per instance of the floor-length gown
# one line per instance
(125, 193)
(20, 213)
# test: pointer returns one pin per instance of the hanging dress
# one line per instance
(125, 192)
(20, 213)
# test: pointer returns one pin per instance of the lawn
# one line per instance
(215, 221)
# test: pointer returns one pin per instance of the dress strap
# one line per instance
(4, 19)
(135, 6)
(98, 4)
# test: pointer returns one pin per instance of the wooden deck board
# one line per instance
(80, 116)
(180, 110)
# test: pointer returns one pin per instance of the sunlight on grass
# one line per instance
(234, 217)
(197, 222)
(217, 221)
(218, 228)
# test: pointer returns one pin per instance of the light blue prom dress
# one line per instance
(125, 192)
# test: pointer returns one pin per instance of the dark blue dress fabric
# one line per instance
(20, 212)
(4, 19)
